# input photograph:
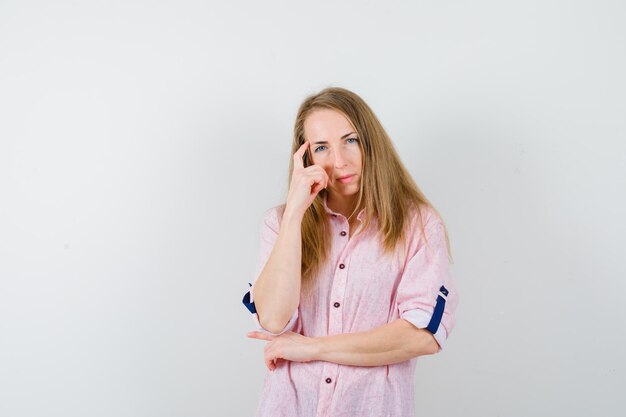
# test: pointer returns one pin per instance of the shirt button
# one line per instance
(336, 304)
(328, 380)
(341, 266)
(342, 233)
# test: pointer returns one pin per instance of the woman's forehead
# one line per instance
(326, 125)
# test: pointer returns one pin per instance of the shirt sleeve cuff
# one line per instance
(420, 319)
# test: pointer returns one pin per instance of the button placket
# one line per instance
(337, 295)
(327, 387)
(335, 318)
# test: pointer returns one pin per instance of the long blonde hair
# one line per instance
(387, 190)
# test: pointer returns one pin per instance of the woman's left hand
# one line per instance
(289, 346)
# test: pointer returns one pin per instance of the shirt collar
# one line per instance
(360, 216)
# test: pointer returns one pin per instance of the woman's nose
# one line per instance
(339, 161)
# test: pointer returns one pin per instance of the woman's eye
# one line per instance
(319, 148)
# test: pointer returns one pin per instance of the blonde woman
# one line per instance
(352, 281)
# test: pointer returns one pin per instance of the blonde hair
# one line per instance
(387, 190)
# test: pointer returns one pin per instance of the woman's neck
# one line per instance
(343, 205)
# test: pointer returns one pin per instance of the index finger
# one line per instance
(259, 335)
(298, 157)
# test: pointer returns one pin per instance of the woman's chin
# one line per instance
(350, 191)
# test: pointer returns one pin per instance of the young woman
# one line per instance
(352, 281)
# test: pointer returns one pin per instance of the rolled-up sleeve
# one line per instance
(268, 233)
(427, 296)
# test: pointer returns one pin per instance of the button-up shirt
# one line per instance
(357, 289)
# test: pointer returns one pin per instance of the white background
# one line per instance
(141, 141)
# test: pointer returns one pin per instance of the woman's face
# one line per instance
(334, 146)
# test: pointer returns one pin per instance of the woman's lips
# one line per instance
(345, 180)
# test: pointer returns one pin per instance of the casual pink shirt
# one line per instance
(357, 290)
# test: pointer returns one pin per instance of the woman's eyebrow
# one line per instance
(343, 137)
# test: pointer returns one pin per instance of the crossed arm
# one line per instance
(394, 342)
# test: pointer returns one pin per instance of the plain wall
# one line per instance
(141, 141)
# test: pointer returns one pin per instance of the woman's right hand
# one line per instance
(305, 183)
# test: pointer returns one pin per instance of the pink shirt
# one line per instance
(358, 290)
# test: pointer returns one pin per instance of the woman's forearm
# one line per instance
(276, 292)
(391, 343)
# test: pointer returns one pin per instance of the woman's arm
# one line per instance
(394, 342)
(276, 291)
